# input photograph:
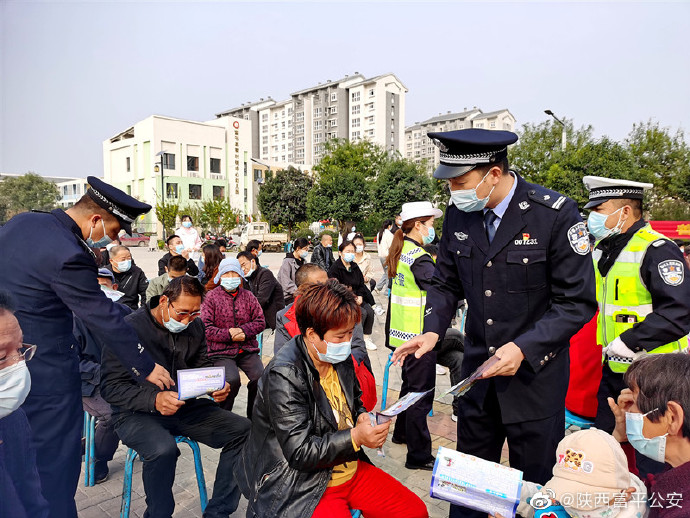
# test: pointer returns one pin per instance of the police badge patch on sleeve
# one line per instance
(579, 238)
(671, 272)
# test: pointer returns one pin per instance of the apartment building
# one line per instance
(293, 132)
(190, 161)
(420, 148)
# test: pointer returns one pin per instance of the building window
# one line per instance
(355, 97)
(264, 140)
(168, 161)
(409, 145)
(317, 112)
(300, 154)
(370, 119)
(334, 96)
(300, 141)
(128, 166)
(355, 122)
(318, 125)
(355, 109)
(245, 196)
(264, 117)
(264, 129)
(370, 133)
(370, 106)
(264, 150)
(218, 192)
(215, 165)
(332, 123)
(275, 115)
(299, 117)
(193, 163)
(257, 175)
(318, 137)
(333, 110)
(356, 135)
(194, 192)
(289, 111)
(479, 125)
(171, 190)
(371, 92)
(492, 124)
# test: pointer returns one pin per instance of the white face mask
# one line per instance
(15, 383)
(359, 249)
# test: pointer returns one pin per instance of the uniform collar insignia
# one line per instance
(461, 236)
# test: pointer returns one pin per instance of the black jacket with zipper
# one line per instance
(174, 351)
(294, 443)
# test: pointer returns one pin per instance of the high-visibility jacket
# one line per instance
(624, 299)
(407, 299)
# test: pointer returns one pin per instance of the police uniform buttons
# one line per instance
(541, 362)
(551, 355)
(489, 264)
(546, 358)
(492, 350)
(488, 293)
(525, 260)
(489, 322)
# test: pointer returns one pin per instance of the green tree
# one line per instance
(167, 215)
(282, 199)
(220, 216)
(400, 181)
(27, 192)
(341, 191)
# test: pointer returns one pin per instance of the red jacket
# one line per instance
(221, 311)
(585, 371)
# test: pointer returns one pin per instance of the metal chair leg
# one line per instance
(127, 484)
(384, 388)
(89, 450)
(200, 479)
(260, 339)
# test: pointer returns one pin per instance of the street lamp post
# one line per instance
(564, 135)
(161, 155)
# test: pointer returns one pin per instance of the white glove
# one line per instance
(618, 348)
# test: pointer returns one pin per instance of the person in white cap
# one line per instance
(411, 268)
(643, 295)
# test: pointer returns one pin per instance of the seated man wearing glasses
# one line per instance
(147, 419)
(20, 487)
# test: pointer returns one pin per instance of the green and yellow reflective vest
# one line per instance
(624, 299)
(407, 299)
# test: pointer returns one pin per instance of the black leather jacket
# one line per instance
(294, 443)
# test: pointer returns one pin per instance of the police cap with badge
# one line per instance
(604, 189)
(463, 150)
(121, 205)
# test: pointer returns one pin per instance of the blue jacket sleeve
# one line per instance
(82, 295)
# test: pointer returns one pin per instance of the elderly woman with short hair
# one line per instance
(304, 455)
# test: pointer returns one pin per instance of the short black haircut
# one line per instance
(177, 263)
(185, 284)
(221, 242)
(170, 238)
(303, 272)
(301, 242)
(247, 255)
(254, 244)
(661, 378)
(117, 249)
(6, 302)
(431, 249)
(344, 244)
(636, 205)
(503, 164)
(186, 216)
(359, 236)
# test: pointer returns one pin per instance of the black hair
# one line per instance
(221, 242)
(170, 238)
(6, 302)
(301, 242)
(177, 263)
(661, 378)
(185, 216)
(635, 205)
(185, 284)
(252, 245)
(212, 258)
(304, 271)
(247, 255)
(344, 244)
(359, 236)
(503, 164)
(386, 223)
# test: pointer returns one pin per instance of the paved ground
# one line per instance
(104, 499)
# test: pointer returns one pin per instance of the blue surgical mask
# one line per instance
(230, 283)
(173, 325)
(467, 200)
(303, 254)
(124, 266)
(15, 383)
(179, 249)
(335, 353)
(348, 257)
(186, 224)
(596, 223)
(104, 241)
(654, 448)
(430, 236)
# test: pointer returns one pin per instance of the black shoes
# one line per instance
(427, 466)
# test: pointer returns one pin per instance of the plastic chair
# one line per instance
(573, 420)
(384, 388)
(355, 513)
(260, 339)
(129, 468)
(89, 450)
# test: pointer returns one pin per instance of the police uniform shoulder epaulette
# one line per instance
(547, 197)
(659, 242)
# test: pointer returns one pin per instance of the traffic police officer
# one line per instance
(519, 253)
(48, 265)
(643, 295)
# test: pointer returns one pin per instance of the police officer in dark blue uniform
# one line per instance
(48, 265)
(519, 253)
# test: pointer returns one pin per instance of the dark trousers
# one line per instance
(611, 386)
(450, 355)
(418, 375)
(57, 422)
(251, 365)
(153, 438)
(531, 444)
(105, 439)
(367, 318)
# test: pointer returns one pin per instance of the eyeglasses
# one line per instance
(183, 314)
(25, 352)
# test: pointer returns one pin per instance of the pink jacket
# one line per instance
(221, 311)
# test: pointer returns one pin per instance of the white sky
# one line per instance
(73, 74)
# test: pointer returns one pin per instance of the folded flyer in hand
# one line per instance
(476, 483)
(466, 384)
(193, 383)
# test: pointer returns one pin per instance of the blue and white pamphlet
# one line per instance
(193, 383)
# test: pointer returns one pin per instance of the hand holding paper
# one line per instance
(466, 384)
(509, 359)
(167, 402)
(221, 395)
